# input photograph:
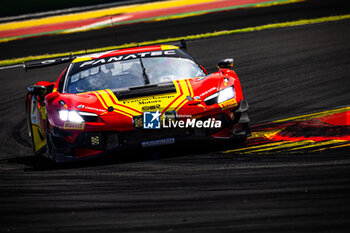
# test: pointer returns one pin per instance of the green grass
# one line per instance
(189, 37)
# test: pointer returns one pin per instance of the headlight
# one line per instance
(220, 96)
(226, 94)
(71, 116)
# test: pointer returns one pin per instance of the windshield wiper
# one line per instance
(145, 76)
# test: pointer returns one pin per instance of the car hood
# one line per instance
(134, 101)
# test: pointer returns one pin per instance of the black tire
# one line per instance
(50, 145)
(241, 141)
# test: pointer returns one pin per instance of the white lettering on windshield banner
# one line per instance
(128, 57)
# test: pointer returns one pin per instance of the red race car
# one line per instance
(142, 96)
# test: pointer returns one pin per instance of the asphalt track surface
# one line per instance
(194, 187)
(226, 20)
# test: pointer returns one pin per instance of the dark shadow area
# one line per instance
(131, 155)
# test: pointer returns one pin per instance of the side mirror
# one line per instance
(225, 63)
(37, 90)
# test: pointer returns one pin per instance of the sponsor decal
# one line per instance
(228, 104)
(34, 112)
(138, 121)
(34, 119)
(95, 141)
(165, 141)
(43, 112)
(149, 100)
(128, 57)
(48, 62)
(74, 126)
(151, 107)
(81, 106)
(208, 91)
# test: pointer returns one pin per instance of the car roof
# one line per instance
(123, 52)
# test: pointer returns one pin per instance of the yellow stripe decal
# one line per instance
(136, 106)
(80, 59)
(282, 146)
(182, 100)
(122, 107)
(167, 47)
(100, 99)
(38, 143)
(316, 144)
(253, 147)
(333, 147)
(316, 115)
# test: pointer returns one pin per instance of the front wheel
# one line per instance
(240, 133)
(50, 146)
(241, 141)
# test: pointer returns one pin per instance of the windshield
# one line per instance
(129, 73)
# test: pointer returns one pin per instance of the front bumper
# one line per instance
(89, 144)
